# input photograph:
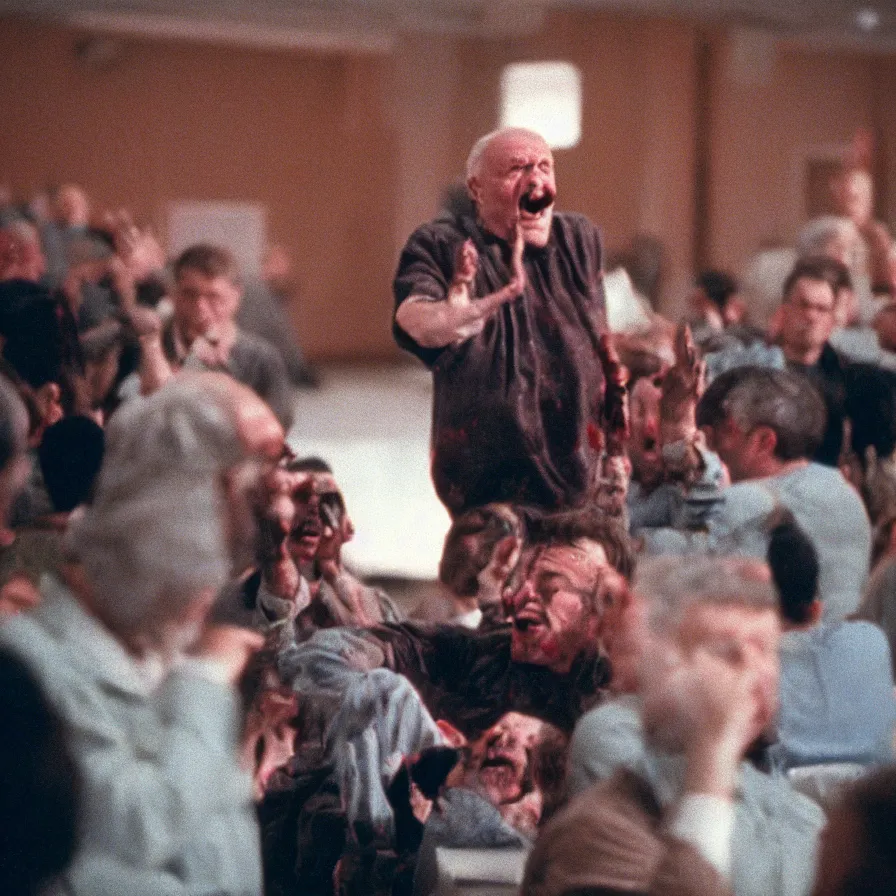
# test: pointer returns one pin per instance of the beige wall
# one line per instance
(349, 152)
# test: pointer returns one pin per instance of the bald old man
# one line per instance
(507, 308)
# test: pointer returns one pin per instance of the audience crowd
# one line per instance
(661, 659)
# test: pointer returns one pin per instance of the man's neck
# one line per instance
(775, 467)
(806, 357)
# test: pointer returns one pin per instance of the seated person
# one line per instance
(696, 650)
(546, 662)
(836, 691)
(764, 425)
(372, 695)
(70, 456)
(202, 333)
(481, 549)
(121, 646)
(304, 584)
(676, 480)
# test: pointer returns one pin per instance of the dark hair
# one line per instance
(815, 267)
(872, 801)
(793, 562)
(570, 526)
(787, 403)
(70, 455)
(210, 261)
(470, 544)
(39, 786)
(718, 286)
(309, 465)
(871, 409)
(41, 335)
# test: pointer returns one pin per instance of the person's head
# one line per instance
(13, 444)
(170, 510)
(884, 325)
(793, 562)
(319, 520)
(758, 420)
(715, 298)
(807, 315)
(21, 254)
(857, 857)
(724, 606)
(70, 455)
(71, 208)
(481, 550)
(571, 582)
(510, 177)
(830, 236)
(854, 195)
(644, 449)
(207, 291)
(517, 765)
(39, 786)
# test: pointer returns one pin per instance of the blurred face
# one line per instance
(502, 757)
(628, 644)
(336, 525)
(807, 315)
(740, 450)
(202, 304)
(320, 525)
(855, 196)
(557, 612)
(644, 439)
(515, 180)
(732, 634)
(72, 207)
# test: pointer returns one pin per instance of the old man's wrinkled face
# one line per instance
(514, 182)
(557, 611)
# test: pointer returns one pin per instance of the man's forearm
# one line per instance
(436, 324)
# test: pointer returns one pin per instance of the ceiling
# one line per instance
(866, 25)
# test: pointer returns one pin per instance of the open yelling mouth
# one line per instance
(533, 204)
(528, 619)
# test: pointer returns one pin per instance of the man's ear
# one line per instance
(473, 188)
(505, 556)
(765, 439)
(452, 736)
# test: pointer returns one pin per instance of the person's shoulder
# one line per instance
(859, 636)
(780, 806)
(255, 345)
(441, 229)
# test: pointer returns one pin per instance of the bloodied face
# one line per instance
(558, 611)
(320, 524)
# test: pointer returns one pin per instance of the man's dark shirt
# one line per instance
(512, 405)
(861, 392)
(465, 677)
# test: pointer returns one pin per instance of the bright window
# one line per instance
(545, 97)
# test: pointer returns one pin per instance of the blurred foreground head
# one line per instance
(172, 507)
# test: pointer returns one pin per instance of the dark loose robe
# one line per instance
(513, 405)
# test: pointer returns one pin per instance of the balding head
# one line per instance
(510, 178)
